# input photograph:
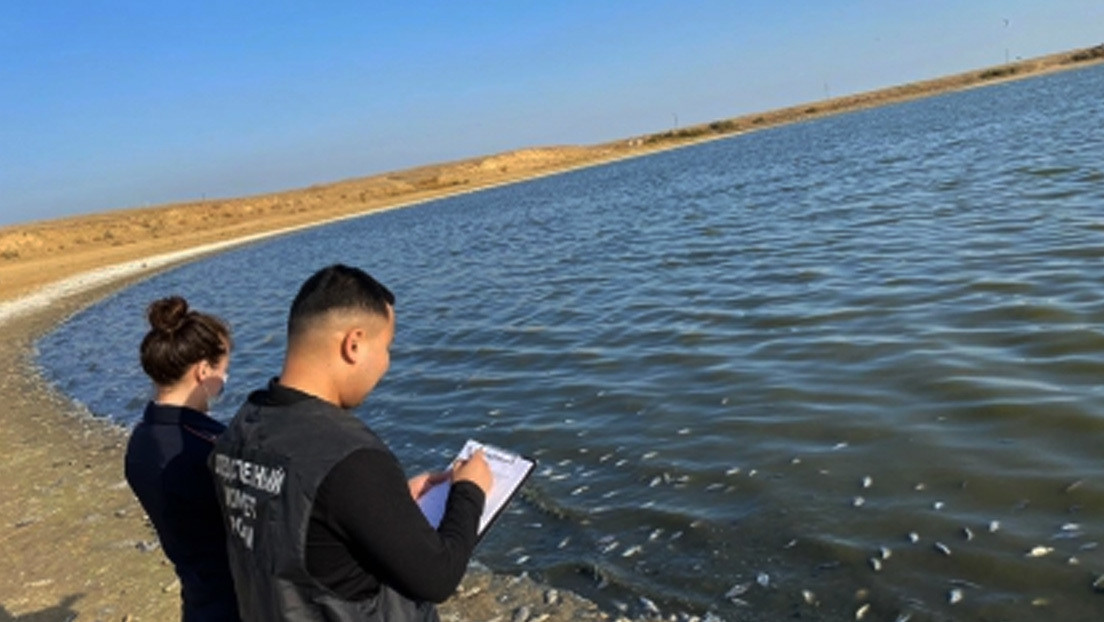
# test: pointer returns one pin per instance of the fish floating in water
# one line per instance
(942, 548)
(861, 612)
(954, 596)
(737, 590)
(1039, 551)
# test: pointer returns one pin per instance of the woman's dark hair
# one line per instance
(179, 338)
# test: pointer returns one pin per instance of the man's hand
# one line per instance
(419, 484)
(474, 470)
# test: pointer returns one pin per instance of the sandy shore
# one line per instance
(74, 544)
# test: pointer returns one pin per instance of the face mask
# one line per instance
(214, 398)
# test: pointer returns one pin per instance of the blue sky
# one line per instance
(120, 104)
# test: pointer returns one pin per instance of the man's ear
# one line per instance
(351, 345)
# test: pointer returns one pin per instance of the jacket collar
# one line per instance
(165, 414)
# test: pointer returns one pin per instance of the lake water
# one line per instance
(747, 368)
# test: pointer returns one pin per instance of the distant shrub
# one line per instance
(997, 72)
(758, 120)
(810, 110)
(690, 132)
(1087, 55)
(722, 127)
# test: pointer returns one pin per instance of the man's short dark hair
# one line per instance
(338, 288)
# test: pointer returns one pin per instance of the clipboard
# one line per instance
(510, 471)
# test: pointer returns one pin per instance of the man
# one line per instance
(322, 523)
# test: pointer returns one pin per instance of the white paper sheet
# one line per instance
(509, 471)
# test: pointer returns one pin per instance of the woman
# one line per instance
(186, 354)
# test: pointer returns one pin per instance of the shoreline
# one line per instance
(76, 543)
(76, 537)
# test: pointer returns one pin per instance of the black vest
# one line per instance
(268, 466)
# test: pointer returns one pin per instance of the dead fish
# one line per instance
(839, 446)
(967, 533)
(954, 596)
(649, 606)
(861, 612)
(913, 537)
(632, 550)
(867, 481)
(1074, 486)
(938, 505)
(795, 460)
(994, 525)
(903, 617)
(858, 502)
(875, 564)
(1071, 527)
(884, 552)
(1040, 551)
(810, 598)
(942, 548)
(763, 579)
(920, 486)
(737, 590)
(1098, 584)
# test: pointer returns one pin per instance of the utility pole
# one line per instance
(1006, 41)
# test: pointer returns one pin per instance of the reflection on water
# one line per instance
(853, 361)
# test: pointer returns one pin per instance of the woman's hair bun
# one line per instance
(167, 315)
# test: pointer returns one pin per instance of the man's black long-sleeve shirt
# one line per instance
(365, 529)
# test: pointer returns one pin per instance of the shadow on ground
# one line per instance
(61, 612)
